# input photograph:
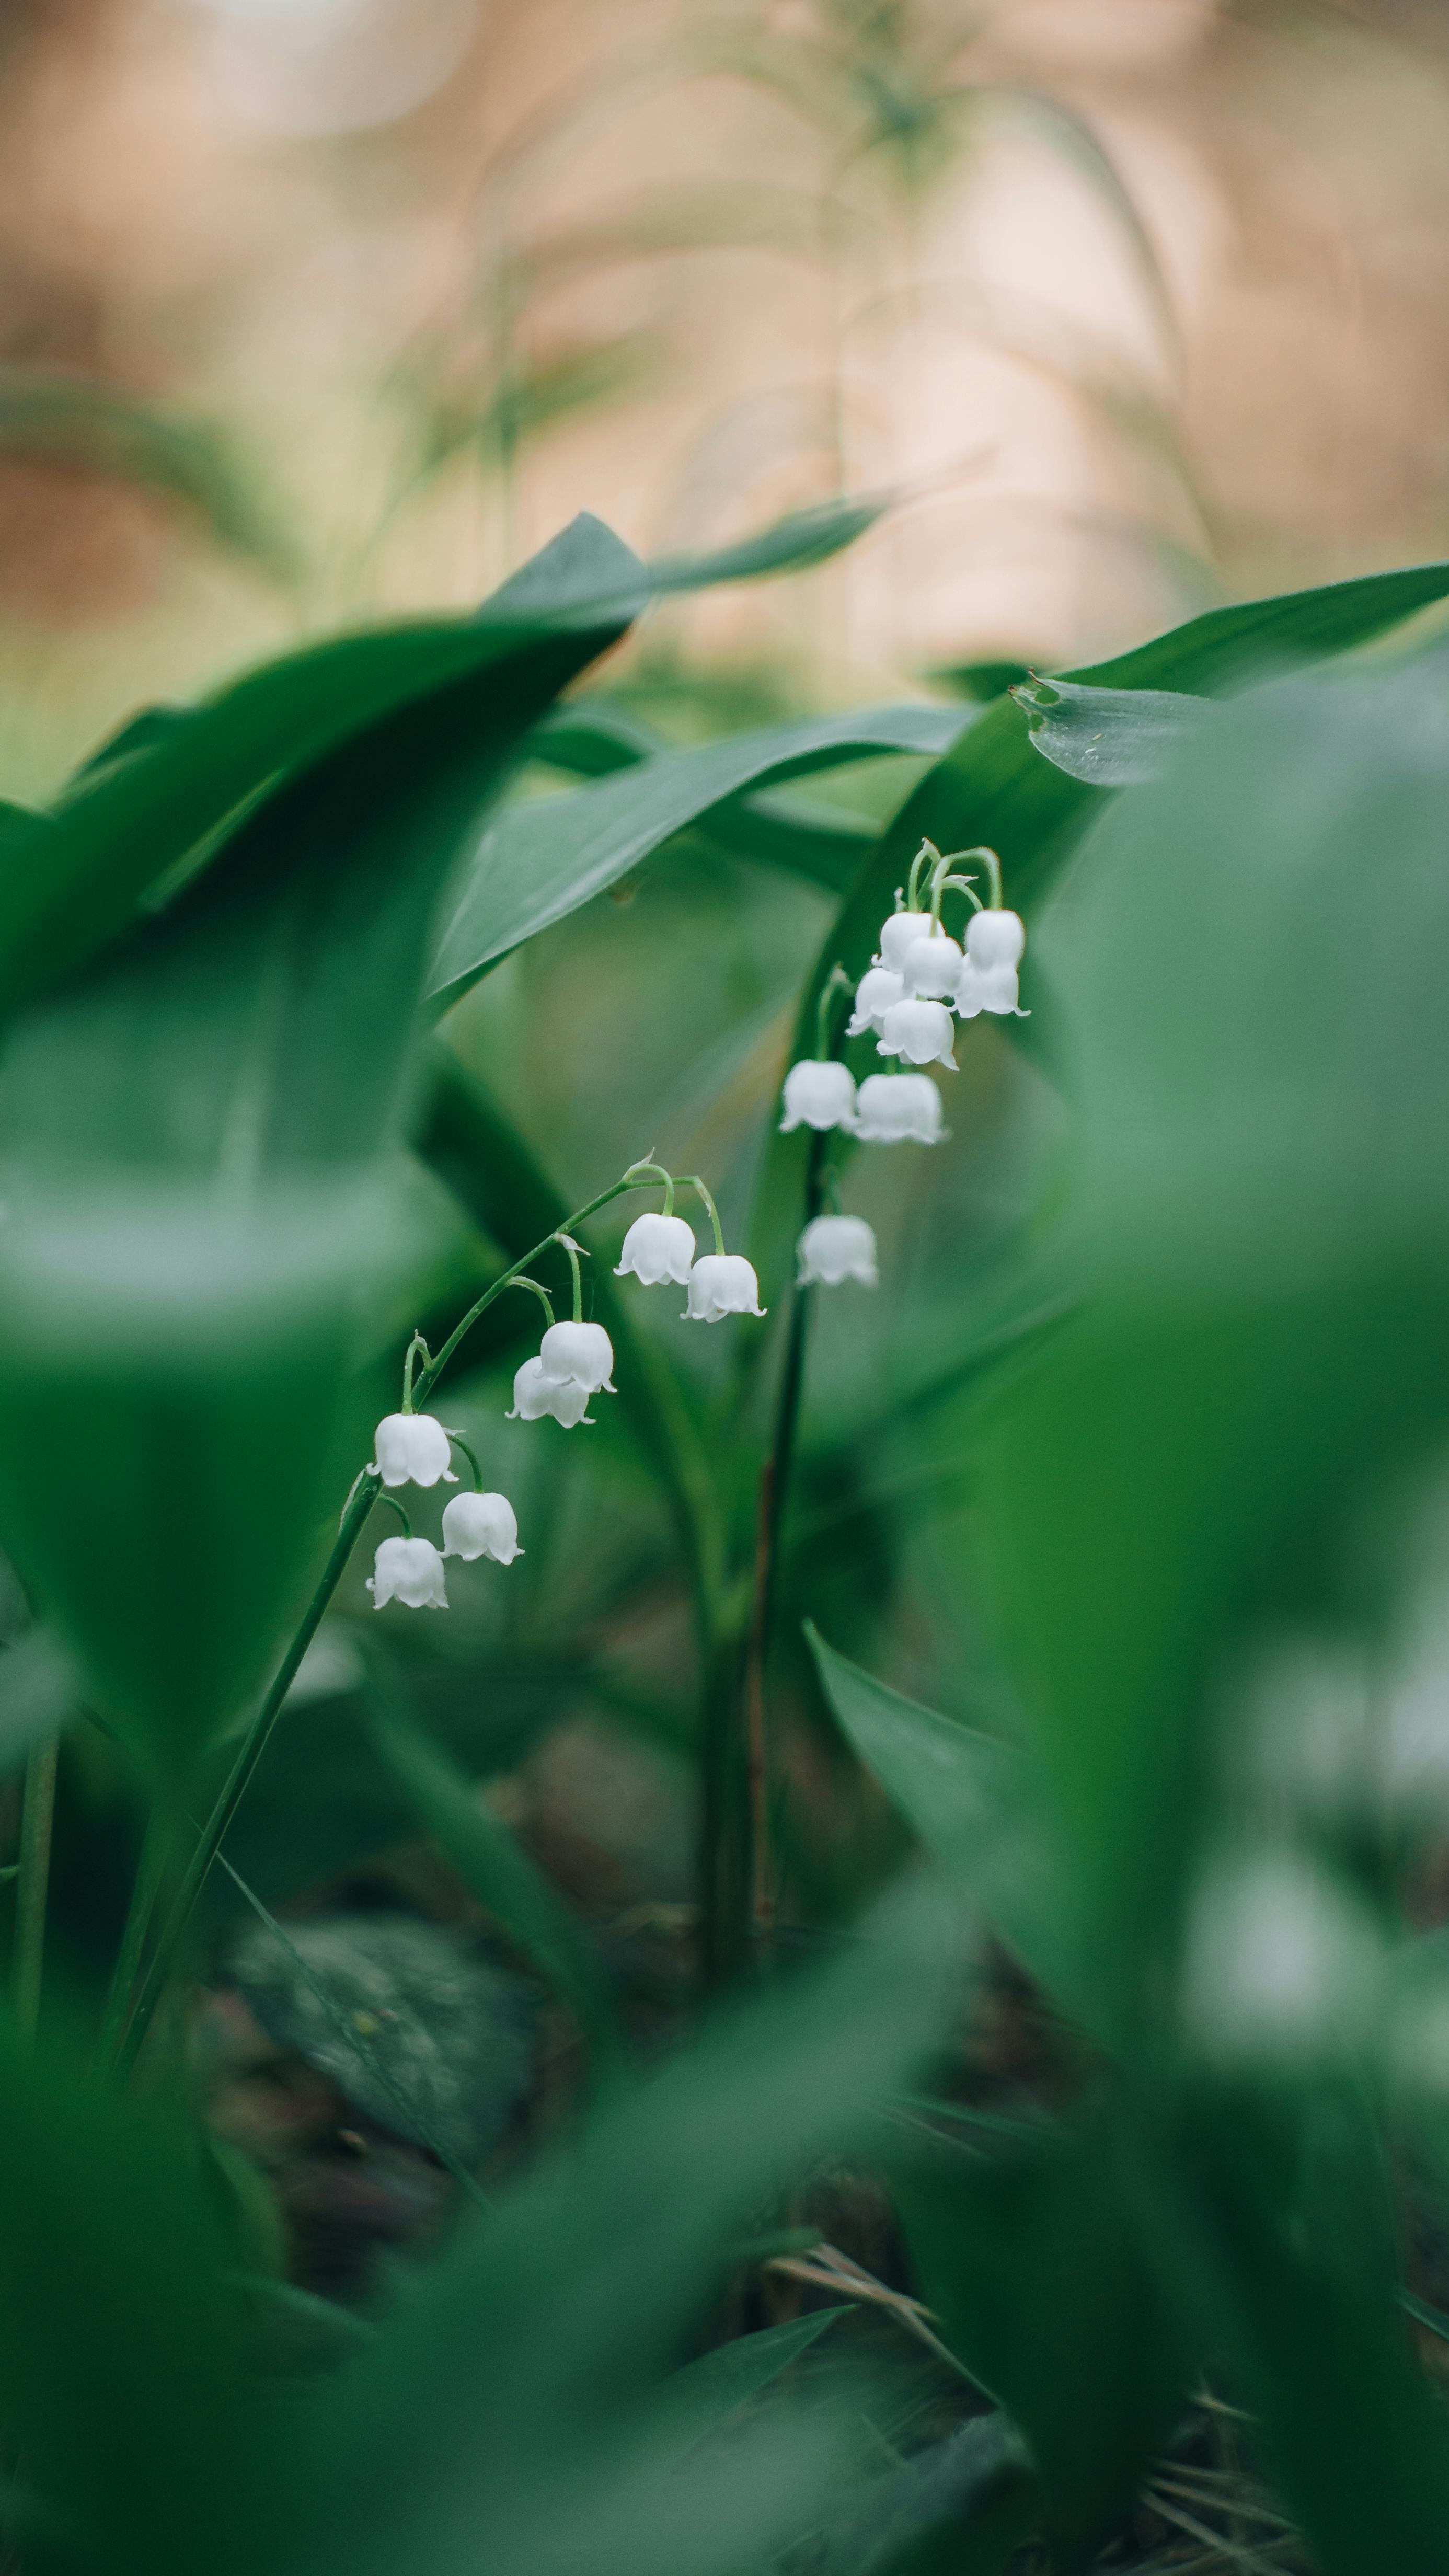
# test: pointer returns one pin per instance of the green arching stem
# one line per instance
(32, 1885)
(394, 1505)
(992, 865)
(572, 1249)
(664, 1177)
(692, 1181)
(837, 981)
(462, 1444)
(415, 1345)
(927, 851)
(544, 1299)
(254, 1744)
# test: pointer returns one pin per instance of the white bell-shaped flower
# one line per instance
(898, 1109)
(657, 1248)
(409, 1570)
(818, 1095)
(897, 936)
(995, 938)
(931, 968)
(879, 986)
(535, 1393)
(582, 1352)
(987, 988)
(833, 1249)
(720, 1284)
(481, 1525)
(920, 1031)
(412, 1448)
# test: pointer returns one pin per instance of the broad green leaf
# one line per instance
(1262, 1217)
(123, 2379)
(704, 2395)
(501, 1876)
(540, 860)
(1109, 737)
(516, 2389)
(794, 544)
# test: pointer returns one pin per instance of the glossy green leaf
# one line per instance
(540, 860)
(1109, 737)
(501, 1875)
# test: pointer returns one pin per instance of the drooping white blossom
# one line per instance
(818, 1095)
(657, 1248)
(835, 1248)
(898, 1109)
(477, 1525)
(720, 1284)
(535, 1394)
(920, 1031)
(412, 1448)
(932, 967)
(879, 986)
(409, 1570)
(581, 1352)
(987, 988)
(995, 938)
(897, 935)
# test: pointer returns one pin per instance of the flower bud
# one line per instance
(920, 1031)
(897, 935)
(657, 1248)
(931, 967)
(535, 1393)
(481, 1525)
(409, 1570)
(412, 1448)
(986, 988)
(720, 1284)
(879, 986)
(898, 1108)
(832, 1249)
(995, 938)
(582, 1352)
(818, 1095)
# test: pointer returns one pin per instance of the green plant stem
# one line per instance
(238, 1779)
(33, 1883)
(146, 1887)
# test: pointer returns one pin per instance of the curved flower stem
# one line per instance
(415, 1345)
(394, 1505)
(836, 981)
(254, 1744)
(927, 851)
(544, 1299)
(32, 1886)
(572, 1249)
(472, 1461)
(692, 1181)
(989, 861)
(658, 1168)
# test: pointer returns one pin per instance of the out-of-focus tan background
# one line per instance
(312, 308)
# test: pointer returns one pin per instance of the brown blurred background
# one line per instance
(310, 308)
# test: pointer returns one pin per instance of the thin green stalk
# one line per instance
(150, 1871)
(33, 1883)
(254, 1745)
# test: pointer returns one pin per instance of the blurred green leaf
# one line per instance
(516, 2389)
(123, 2383)
(540, 860)
(707, 2392)
(501, 1876)
(37, 1694)
(793, 544)
(1109, 737)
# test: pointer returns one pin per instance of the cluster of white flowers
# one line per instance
(574, 1361)
(919, 976)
